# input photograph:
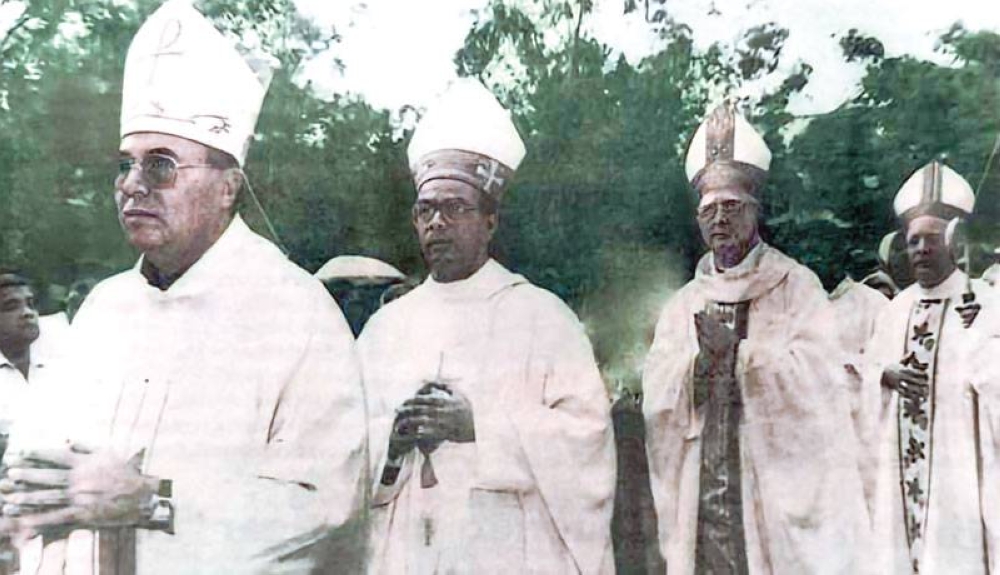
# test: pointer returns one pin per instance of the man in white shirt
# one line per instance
(18, 331)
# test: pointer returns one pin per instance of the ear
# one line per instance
(414, 221)
(492, 222)
(232, 179)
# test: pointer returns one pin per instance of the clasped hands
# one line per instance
(53, 491)
(437, 413)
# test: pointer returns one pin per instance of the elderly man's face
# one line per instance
(930, 258)
(728, 222)
(18, 317)
(453, 229)
(173, 222)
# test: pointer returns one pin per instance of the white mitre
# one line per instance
(726, 150)
(468, 136)
(184, 78)
(886, 246)
(934, 190)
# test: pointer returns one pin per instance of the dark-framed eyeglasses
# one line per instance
(728, 208)
(159, 170)
(450, 210)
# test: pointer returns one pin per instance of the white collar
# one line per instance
(486, 281)
(761, 270)
(35, 361)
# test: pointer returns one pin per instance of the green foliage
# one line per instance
(857, 46)
(760, 51)
(849, 164)
(60, 86)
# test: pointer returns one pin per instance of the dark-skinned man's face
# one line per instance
(454, 228)
(18, 317)
(930, 258)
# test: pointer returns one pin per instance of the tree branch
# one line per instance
(21, 21)
(576, 41)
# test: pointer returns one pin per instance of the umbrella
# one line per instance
(359, 270)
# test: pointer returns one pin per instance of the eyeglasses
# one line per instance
(729, 209)
(159, 170)
(450, 210)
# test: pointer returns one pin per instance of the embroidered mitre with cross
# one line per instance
(466, 136)
(184, 78)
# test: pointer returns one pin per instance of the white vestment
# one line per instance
(53, 333)
(856, 307)
(960, 523)
(802, 502)
(241, 385)
(534, 492)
